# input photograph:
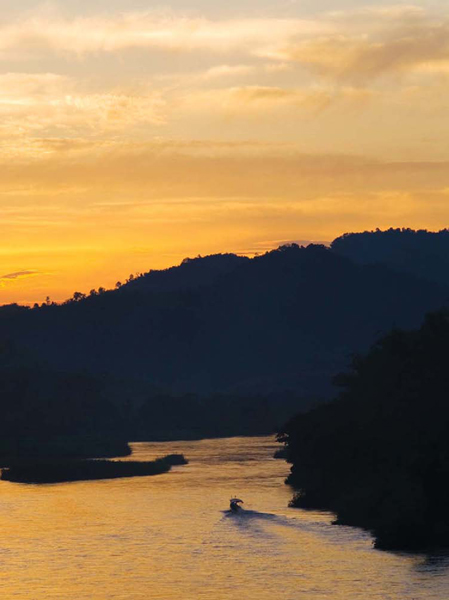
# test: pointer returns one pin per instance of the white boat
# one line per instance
(234, 504)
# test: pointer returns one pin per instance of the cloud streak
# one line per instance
(252, 100)
(31, 103)
(362, 59)
(86, 170)
(147, 30)
(17, 275)
(369, 43)
(358, 44)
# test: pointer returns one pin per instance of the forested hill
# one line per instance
(286, 320)
(422, 253)
(378, 455)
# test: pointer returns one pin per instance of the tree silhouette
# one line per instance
(379, 454)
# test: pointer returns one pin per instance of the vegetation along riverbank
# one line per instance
(79, 470)
(378, 455)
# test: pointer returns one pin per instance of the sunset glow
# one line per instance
(132, 136)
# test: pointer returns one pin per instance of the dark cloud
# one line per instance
(19, 275)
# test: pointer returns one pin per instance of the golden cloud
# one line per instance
(148, 30)
(165, 169)
(375, 51)
(251, 100)
(80, 213)
(38, 102)
(358, 44)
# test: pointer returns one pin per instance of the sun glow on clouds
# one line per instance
(129, 140)
(148, 30)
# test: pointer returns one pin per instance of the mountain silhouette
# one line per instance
(421, 253)
(286, 320)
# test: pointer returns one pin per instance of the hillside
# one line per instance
(422, 253)
(286, 320)
(378, 455)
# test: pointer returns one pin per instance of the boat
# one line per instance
(234, 504)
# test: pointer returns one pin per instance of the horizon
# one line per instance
(275, 245)
(136, 134)
(12, 277)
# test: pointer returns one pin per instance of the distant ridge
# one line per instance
(192, 273)
(285, 320)
(421, 253)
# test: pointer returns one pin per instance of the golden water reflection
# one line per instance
(170, 537)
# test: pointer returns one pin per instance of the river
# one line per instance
(170, 537)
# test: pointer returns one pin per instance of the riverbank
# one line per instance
(378, 454)
(81, 470)
(21, 450)
(170, 536)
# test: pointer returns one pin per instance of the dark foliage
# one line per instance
(280, 454)
(16, 449)
(422, 253)
(78, 470)
(175, 459)
(165, 417)
(221, 345)
(284, 320)
(46, 413)
(40, 403)
(378, 455)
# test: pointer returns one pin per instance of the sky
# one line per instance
(134, 134)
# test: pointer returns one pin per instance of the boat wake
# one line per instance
(244, 513)
(254, 518)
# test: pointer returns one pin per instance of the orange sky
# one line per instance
(133, 135)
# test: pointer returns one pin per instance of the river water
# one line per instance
(170, 537)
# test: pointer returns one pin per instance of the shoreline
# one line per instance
(87, 470)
